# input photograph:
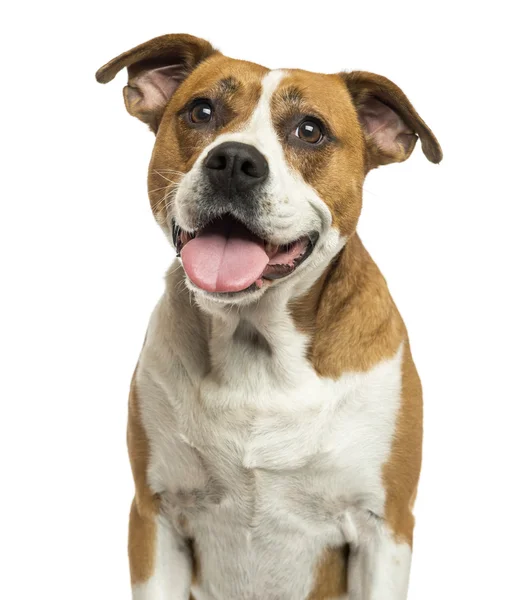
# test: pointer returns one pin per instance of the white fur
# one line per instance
(380, 568)
(268, 463)
(172, 577)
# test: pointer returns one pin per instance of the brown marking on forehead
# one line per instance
(234, 87)
(142, 524)
(331, 579)
(228, 85)
(335, 168)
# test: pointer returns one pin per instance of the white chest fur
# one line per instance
(263, 462)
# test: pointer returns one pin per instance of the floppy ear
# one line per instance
(155, 70)
(390, 123)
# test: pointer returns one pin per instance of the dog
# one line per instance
(275, 414)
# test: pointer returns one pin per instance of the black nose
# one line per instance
(235, 167)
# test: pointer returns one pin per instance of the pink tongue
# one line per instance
(225, 257)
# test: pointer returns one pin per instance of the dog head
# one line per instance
(256, 175)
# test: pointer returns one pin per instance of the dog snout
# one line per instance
(235, 167)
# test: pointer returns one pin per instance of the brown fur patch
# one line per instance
(142, 525)
(141, 546)
(351, 318)
(336, 167)
(401, 472)
(331, 578)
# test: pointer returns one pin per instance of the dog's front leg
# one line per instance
(379, 566)
(160, 561)
(159, 558)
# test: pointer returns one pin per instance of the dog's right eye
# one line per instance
(201, 113)
(309, 131)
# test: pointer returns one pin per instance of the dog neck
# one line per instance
(292, 324)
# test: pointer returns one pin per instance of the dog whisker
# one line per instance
(166, 178)
(160, 188)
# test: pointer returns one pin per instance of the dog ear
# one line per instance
(155, 70)
(390, 123)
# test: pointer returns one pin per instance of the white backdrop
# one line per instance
(83, 262)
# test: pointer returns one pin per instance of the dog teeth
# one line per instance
(176, 233)
(181, 237)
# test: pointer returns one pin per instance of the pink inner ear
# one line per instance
(385, 127)
(156, 86)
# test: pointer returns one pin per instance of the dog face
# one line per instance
(256, 175)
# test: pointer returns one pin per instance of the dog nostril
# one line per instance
(249, 168)
(217, 161)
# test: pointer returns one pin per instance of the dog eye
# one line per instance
(201, 113)
(309, 131)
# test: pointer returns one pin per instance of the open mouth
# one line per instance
(225, 256)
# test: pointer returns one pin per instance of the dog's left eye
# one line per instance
(201, 113)
(309, 131)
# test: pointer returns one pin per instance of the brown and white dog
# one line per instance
(275, 415)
